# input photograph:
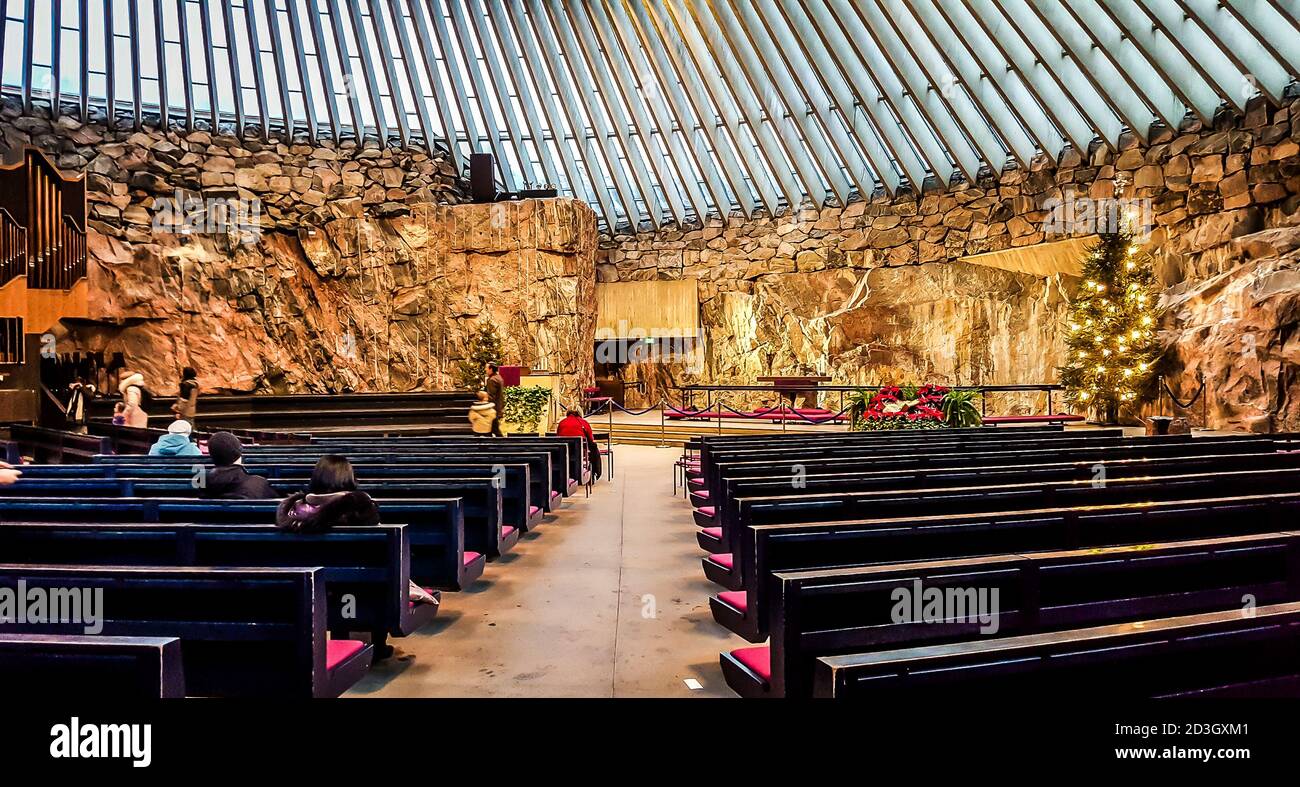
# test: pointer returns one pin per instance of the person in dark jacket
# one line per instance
(496, 390)
(333, 500)
(187, 398)
(228, 480)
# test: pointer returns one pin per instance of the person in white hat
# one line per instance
(132, 388)
(176, 442)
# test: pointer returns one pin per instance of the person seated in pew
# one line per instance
(228, 480)
(481, 415)
(9, 474)
(333, 500)
(119, 414)
(574, 425)
(176, 442)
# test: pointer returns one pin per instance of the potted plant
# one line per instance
(526, 408)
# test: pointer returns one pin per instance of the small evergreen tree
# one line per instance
(1112, 344)
(484, 346)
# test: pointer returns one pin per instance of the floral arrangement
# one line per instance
(908, 407)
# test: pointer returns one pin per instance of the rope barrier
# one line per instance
(1195, 397)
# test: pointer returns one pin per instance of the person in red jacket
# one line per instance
(574, 425)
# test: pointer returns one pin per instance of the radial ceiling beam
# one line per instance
(677, 154)
(641, 125)
(740, 114)
(470, 62)
(1240, 45)
(322, 59)
(1171, 63)
(606, 106)
(1272, 27)
(990, 132)
(501, 90)
(412, 74)
(527, 102)
(1198, 49)
(830, 48)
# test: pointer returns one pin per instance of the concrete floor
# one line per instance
(606, 599)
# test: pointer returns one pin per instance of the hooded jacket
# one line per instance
(132, 396)
(303, 512)
(481, 416)
(172, 444)
(233, 482)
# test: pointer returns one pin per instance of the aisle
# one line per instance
(607, 599)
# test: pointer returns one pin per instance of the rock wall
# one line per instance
(873, 291)
(356, 271)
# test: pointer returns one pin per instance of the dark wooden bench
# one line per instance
(1218, 653)
(822, 545)
(575, 448)
(512, 479)
(851, 610)
(52, 446)
(481, 500)
(436, 529)
(44, 667)
(718, 567)
(251, 632)
(719, 538)
(542, 492)
(561, 483)
(366, 569)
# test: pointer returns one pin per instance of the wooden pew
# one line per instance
(436, 526)
(1222, 653)
(53, 446)
(824, 545)
(719, 540)
(251, 632)
(575, 456)
(924, 500)
(852, 610)
(371, 565)
(513, 479)
(717, 567)
(44, 667)
(484, 530)
(542, 492)
(556, 455)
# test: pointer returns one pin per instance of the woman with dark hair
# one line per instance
(333, 500)
(187, 400)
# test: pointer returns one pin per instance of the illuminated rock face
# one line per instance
(358, 304)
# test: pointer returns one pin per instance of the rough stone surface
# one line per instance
(872, 291)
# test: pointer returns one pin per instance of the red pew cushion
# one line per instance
(758, 659)
(723, 559)
(507, 530)
(735, 598)
(534, 510)
(338, 651)
(703, 493)
(470, 557)
(710, 511)
(713, 532)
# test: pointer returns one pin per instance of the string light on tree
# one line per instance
(1112, 315)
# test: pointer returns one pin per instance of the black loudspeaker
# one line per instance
(482, 185)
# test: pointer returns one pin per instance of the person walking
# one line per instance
(496, 391)
(481, 415)
(133, 397)
(80, 394)
(187, 400)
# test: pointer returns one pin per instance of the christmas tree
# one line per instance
(1111, 341)
(484, 346)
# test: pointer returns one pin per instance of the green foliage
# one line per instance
(1111, 339)
(525, 405)
(959, 410)
(484, 346)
